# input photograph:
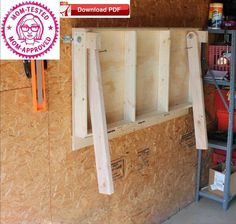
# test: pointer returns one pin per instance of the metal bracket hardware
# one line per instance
(67, 39)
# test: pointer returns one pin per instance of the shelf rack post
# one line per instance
(231, 124)
(198, 179)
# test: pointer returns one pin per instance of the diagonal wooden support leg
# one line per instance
(197, 91)
(98, 118)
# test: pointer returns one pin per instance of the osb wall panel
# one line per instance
(153, 171)
(156, 178)
(43, 181)
(25, 189)
(12, 76)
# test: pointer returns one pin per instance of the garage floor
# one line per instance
(205, 212)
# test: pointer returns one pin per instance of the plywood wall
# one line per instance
(44, 181)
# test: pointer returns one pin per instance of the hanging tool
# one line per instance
(38, 85)
(27, 68)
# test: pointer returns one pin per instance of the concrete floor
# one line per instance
(205, 212)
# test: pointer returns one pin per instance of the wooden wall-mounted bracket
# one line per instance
(145, 79)
(124, 80)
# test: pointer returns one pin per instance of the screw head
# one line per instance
(190, 36)
(79, 39)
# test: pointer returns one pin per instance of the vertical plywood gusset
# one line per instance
(79, 82)
(130, 76)
(98, 119)
(197, 91)
(164, 71)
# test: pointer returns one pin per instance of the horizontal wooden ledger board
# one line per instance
(145, 79)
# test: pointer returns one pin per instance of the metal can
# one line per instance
(215, 15)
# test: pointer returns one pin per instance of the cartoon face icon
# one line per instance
(29, 29)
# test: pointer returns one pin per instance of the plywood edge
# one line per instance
(143, 121)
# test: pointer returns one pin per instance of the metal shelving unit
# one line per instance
(227, 146)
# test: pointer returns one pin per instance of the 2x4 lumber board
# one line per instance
(164, 71)
(197, 91)
(79, 84)
(98, 118)
(143, 121)
(202, 38)
(130, 75)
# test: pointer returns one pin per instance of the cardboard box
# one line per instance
(217, 180)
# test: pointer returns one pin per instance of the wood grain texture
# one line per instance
(196, 85)
(112, 68)
(79, 85)
(98, 116)
(147, 71)
(12, 76)
(152, 78)
(36, 150)
(147, 190)
(164, 72)
(130, 76)
(179, 87)
(25, 188)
